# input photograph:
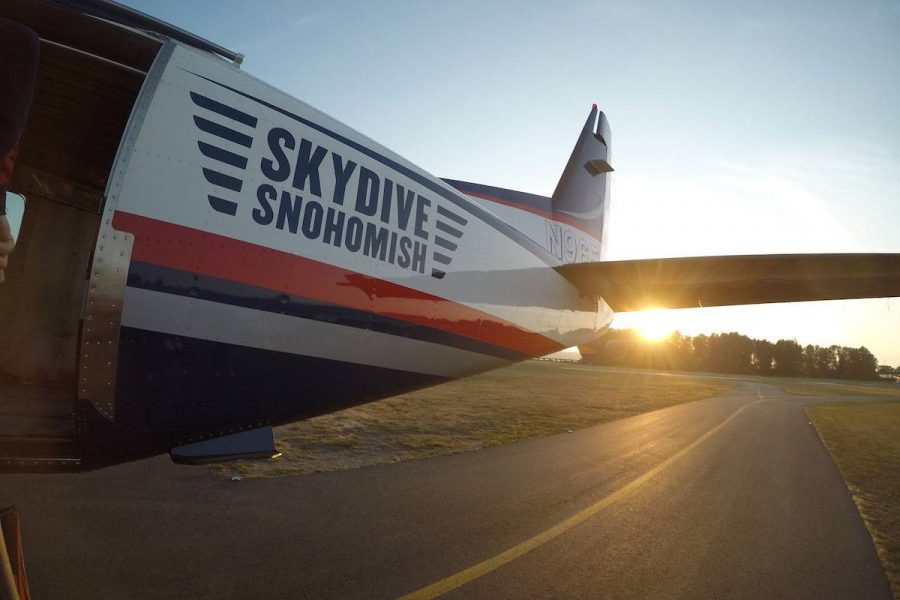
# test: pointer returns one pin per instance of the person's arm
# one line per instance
(6, 243)
(19, 49)
(6, 239)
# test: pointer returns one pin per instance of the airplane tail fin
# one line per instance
(583, 189)
(578, 207)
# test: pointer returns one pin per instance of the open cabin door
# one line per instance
(89, 77)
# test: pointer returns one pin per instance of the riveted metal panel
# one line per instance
(109, 268)
(102, 317)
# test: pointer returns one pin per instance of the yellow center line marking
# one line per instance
(495, 562)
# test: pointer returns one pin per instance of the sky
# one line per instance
(737, 128)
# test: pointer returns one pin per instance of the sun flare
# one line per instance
(654, 325)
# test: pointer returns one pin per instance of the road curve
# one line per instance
(729, 497)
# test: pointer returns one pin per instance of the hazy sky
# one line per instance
(737, 127)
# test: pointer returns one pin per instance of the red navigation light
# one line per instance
(594, 105)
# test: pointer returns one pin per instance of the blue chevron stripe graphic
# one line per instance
(450, 225)
(222, 156)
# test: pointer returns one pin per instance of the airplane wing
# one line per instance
(632, 285)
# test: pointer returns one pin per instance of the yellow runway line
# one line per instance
(495, 562)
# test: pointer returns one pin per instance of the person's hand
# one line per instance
(6, 245)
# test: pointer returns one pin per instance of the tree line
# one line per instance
(731, 353)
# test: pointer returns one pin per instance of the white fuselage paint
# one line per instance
(494, 270)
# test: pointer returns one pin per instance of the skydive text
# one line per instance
(317, 193)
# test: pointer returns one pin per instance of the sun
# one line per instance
(653, 325)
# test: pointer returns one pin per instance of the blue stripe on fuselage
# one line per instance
(541, 203)
(181, 283)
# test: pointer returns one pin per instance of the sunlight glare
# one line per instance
(654, 325)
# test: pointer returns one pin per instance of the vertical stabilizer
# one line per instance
(583, 189)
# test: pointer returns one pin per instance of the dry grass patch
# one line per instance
(864, 439)
(525, 401)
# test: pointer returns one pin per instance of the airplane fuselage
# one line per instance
(259, 262)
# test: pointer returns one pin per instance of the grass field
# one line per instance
(813, 387)
(525, 401)
(864, 439)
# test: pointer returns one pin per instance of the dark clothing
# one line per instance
(6, 169)
(19, 47)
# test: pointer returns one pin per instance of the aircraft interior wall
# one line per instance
(80, 110)
(85, 90)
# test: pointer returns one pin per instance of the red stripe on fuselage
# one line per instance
(178, 247)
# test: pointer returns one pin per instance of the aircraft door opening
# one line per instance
(87, 84)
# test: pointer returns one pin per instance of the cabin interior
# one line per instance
(90, 75)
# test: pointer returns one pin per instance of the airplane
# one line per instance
(203, 257)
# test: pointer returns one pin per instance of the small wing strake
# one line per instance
(632, 285)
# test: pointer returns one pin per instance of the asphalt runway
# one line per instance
(729, 497)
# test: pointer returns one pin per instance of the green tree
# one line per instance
(856, 363)
(788, 357)
(730, 353)
(700, 355)
(809, 366)
(763, 356)
(826, 361)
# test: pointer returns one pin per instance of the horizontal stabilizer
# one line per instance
(632, 285)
